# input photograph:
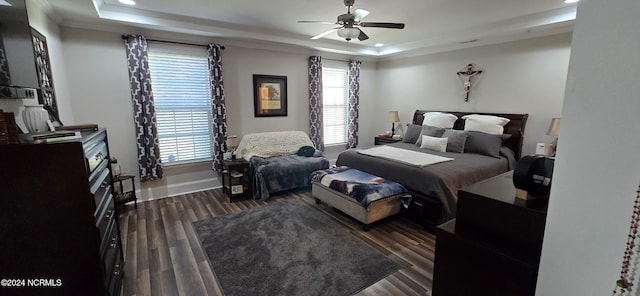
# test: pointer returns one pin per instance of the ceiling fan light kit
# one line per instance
(350, 23)
(348, 33)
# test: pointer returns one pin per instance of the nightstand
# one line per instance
(123, 197)
(235, 178)
(378, 140)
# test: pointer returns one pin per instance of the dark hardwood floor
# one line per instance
(163, 255)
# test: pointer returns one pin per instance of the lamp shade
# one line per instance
(393, 116)
(348, 33)
(233, 142)
(554, 127)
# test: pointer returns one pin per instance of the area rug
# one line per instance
(288, 248)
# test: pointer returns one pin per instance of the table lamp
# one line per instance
(554, 130)
(393, 118)
(232, 144)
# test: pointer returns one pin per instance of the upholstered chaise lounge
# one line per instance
(275, 165)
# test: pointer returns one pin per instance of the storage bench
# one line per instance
(363, 196)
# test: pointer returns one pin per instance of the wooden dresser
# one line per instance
(8, 129)
(58, 220)
(493, 246)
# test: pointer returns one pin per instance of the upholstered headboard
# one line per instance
(515, 127)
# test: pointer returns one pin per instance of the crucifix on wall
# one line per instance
(469, 77)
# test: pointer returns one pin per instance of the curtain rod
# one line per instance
(175, 42)
(335, 60)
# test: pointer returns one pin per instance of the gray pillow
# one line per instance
(412, 134)
(485, 144)
(456, 140)
(431, 131)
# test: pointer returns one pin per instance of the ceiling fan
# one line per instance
(350, 23)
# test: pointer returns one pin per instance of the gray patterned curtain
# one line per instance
(354, 99)
(219, 128)
(4, 71)
(4, 65)
(144, 115)
(315, 102)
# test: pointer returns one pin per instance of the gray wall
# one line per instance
(99, 92)
(525, 76)
(50, 29)
(595, 177)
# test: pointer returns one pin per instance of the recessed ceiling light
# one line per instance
(571, 1)
(127, 2)
(379, 45)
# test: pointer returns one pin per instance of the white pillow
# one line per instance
(485, 123)
(433, 143)
(439, 119)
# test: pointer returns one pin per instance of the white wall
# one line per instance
(525, 76)
(597, 167)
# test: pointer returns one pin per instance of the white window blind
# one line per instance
(182, 97)
(335, 93)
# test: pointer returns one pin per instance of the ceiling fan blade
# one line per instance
(317, 22)
(362, 36)
(360, 14)
(383, 25)
(324, 34)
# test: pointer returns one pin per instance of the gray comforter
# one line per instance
(441, 180)
(280, 173)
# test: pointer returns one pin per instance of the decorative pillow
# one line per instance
(439, 119)
(434, 143)
(485, 123)
(412, 134)
(306, 151)
(431, 131)
(485, 144)
(456, 140)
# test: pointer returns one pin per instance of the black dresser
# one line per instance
(59, 232)
(493, 246)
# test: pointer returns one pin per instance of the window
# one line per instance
(335, 93)
(182, 97)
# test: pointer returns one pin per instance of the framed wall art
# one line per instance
(269, 95)
(46, 93)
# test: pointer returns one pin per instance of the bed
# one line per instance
(438, 183)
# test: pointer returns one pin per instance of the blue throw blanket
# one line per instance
(280, 173)
(363, 187)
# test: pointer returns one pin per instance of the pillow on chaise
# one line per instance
(306, 151)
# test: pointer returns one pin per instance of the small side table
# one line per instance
(235, 178)
(384, 140)
(122, 197)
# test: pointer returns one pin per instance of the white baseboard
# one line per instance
(163, 191)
